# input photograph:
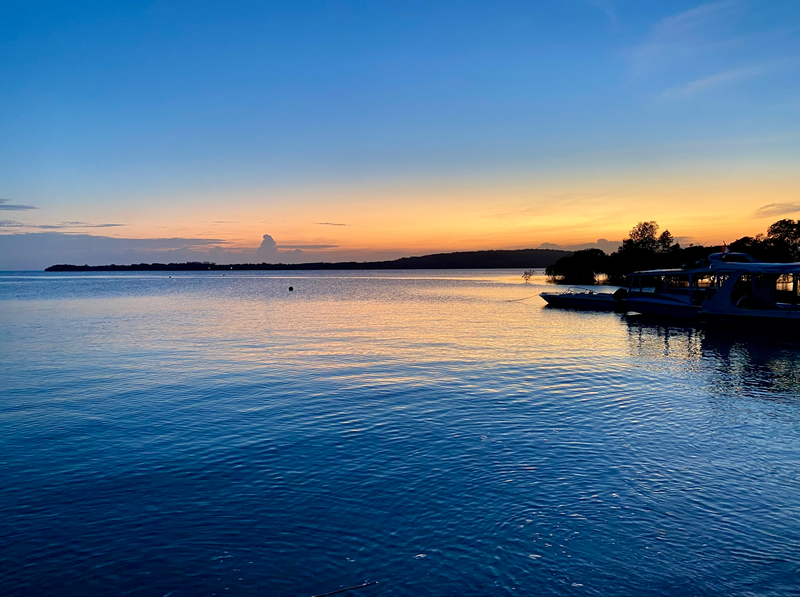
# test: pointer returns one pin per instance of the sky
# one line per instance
(343, 130)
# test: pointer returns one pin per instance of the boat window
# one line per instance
(742, 287)
(678, 281)
(784, 282)
(652, 283)
(762, 291)
(780, 291)
(705, 281)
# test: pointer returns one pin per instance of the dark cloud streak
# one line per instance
(6, 206)
(307, 246)
(61, 226)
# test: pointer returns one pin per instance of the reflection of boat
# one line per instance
(586, 300)
(740, 365)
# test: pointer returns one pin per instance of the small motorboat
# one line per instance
(586, 300)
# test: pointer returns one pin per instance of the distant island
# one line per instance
(513, 259)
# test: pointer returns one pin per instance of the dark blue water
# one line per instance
(439, 432)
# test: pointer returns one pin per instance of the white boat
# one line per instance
(586, 300)
(733, 289)
(753, 293)
(671, 292)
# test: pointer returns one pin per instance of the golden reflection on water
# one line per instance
(358, 418)
(383, 326)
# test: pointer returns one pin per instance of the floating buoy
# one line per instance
(291, 288)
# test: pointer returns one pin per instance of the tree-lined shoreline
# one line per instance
(645, 249)
(500, 259)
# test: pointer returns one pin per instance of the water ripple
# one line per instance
(202, 435)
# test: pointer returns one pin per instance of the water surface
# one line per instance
(440, 432)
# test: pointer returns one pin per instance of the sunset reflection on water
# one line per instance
(297, 441)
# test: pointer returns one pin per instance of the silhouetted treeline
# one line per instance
(522, 258)
(781, 244)
(644, 249)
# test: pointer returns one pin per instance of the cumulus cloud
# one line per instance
(268, 252)
(272, 252)
(772, 210)
(268, 249)
(6, 206)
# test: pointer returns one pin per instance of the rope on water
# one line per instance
(521, 299)
(366, 584)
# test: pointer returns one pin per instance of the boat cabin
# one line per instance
(693, 285)
(773, 288)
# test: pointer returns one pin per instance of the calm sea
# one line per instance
(442, 433)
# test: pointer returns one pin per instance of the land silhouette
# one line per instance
(512, 259)
(643, 249)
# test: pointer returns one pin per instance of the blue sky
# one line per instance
(230, 121)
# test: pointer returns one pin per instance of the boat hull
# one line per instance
(582, 301)
(661, 307)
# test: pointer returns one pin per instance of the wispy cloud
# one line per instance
(713, 81)
(772, 210)
(87, 225)
(6, 206)
(687, 22)
(307, 246)
(607, 7)
(330, 224)
(60, 226)
(683, 35)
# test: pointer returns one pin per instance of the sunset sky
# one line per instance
(141, 131)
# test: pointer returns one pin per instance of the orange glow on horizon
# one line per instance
(423, 218)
